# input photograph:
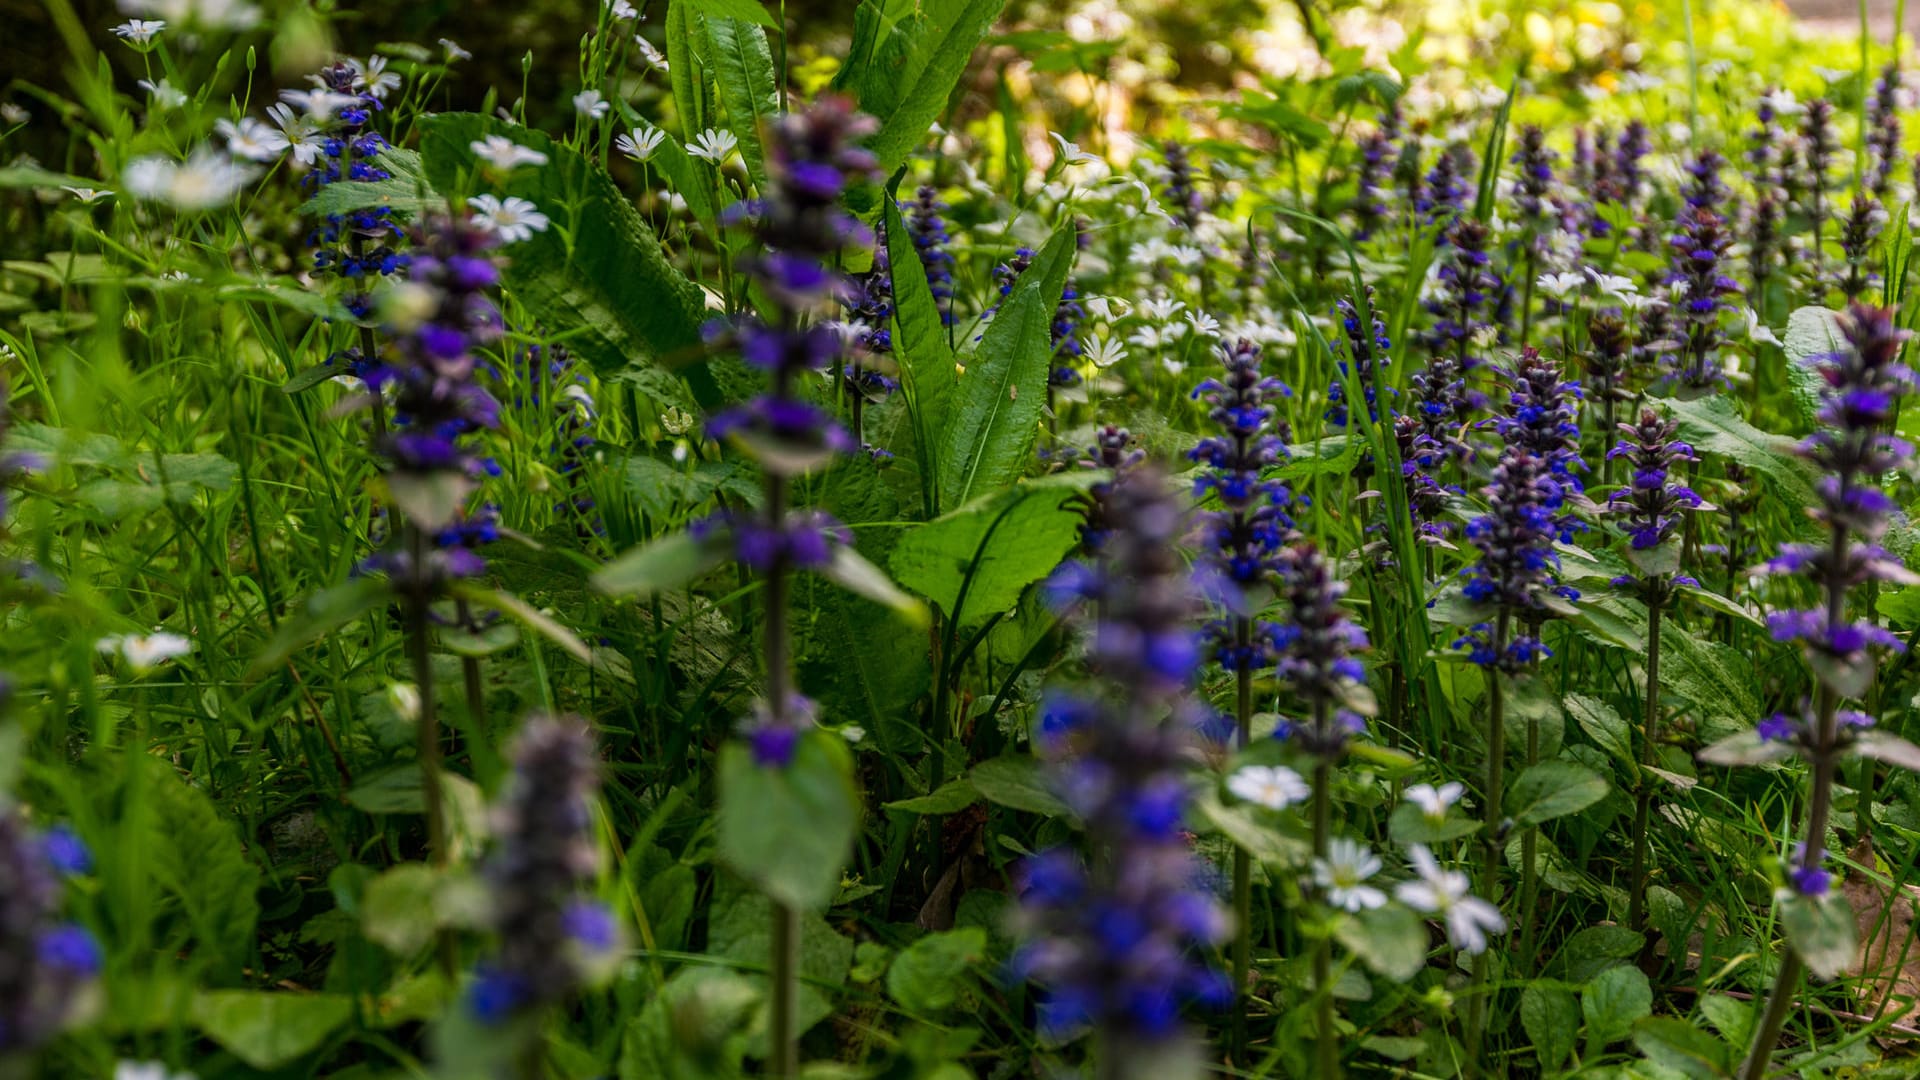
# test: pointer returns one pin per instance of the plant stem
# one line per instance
(1490, 867)
(1242, 862)
(1643, 796)
(1326, 1046)
(784, 1062)
(427, 729)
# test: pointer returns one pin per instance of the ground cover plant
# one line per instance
(909, 542)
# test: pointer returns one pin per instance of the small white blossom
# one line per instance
(1782, 102)
(454, 51)
(513, 219)
(251, 139)
(591, 104)
(1634, 82)
(146, 652)
(139, 33)
(1448, 894)
(297, 135)
(1186, 256)
(13, 114)
(88, 196)
(640, 145)
(505, 154)
(1161, 308)
(318, 103)
(676, 421)
(164, 94)
(621, 11)
(1203, 324)
(147, 1070)
(1070, 152)
(1612, 284)
(714, 147)
(1434, 802)
(404, 698)
(1757, 331)
(1342, 875)
(1275, 787)
(373, 77)
(201, 182)
(1104, 352)
(1104, 308)
(1560, 286)
(654, 57)
(1833, 75)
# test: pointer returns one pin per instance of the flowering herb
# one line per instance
(1367, 351)
(1883, 131)
(1701, 286)
(45, 962)
(930, 239)
(1180, 190)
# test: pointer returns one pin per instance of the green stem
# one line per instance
(1242, 862)
(1643, 798)
(427, 729)
(1478, 1008)
(1326, 1044)
(783, 1061)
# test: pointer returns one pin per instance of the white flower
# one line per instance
(1186, 256)
(621, 10)
(1203, 323)
(139, 32)
(513, 219)
(1104, 352)
(251, 139)
(203, 181)
(505, 154)
(714, 146)
(1070, 152)
(13, 114)
(146, 1070)
(1434, 802)
(297, 134)
(1149, 252)
(1612, 284)
(373, 77)
(1173, 366)
(1833, 75)
(654, 57)
(1152, 338)
(454, 51)
(146, 652)
(1161, 308)
(1782, 102)
(676, 421)
(164, 94)
(640, 145)
(88, 196)
(1105, 307)
(1275, 787)
(318, 103)
(590, 104)
(1343, 873)
(1447, 893)
(1635, 81)
(404, 698)
(1559, 285)
(1757, 331)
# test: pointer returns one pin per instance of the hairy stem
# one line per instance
(1242, 862)
(1326, 1046)
(1490, 866)
(1643, 796)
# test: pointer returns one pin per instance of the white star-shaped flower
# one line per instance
(1434, 802)
(1447, 893)
(513, 219)
(139, 33)
(713, 146)
(1342, 875)
(1275, 787)
(504, 154)
(640, 145)
(591, 104)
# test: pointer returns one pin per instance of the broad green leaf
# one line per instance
(743, 66)
(1392, 940)
(1812, 333)
(1553, 789)
(1603, 724)
(1716, 429)
(1551, 1017)
(1017, 782)
(683, 70)
(268, 1029)
(1592, 950)
(1730, 1016)
(199, 860)
(921, 350)
(407, 198)
(694, 1028)
(1744, 748)
(740, 928)
(975, 562)
(1252, 831)
(397, 910)
(789, 830)
(747, 10)
(928, 975)
(997, 407)
(947, 798)
(597, 275)
(1683, 1048)
(671, 562)
(1612, 1003)
(1821, 930)
(1408, 824)
(906, 58)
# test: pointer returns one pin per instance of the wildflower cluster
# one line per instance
(45, 962)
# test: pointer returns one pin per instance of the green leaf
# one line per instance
(1252, 831)
(743, 66)
(1744, 748)
(789, 830)
(1716, 678)
(928, 975)
(1392, 940)
(1408, 824)
(1715, 428)
(1888, 747)
(429, 500)
(1553, 789)
(1812, 333)
(1550, 1016)
(974, 562)
(740, 928)
(407, 198)
(1685, 1049)
(748, 10)
(922, 353)
(683, 70)
(308, 379)
(1592, 950)
(528, 616)
(397, 910)
(949, 797)
(671, 562)
(597, 276)
(907, 57)
(269, 1029)
(998, 405)
(1821, 930)
(1612, 1003)
(1603, 724)
(1730, 1016)
(852, 572)
(694, 1027)
(200, 861)
(1017, 782)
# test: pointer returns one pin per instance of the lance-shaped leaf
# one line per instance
(975, 562)
(1888, 747)
(906, 58)
(743, 67)
(1745, 748)
(854, 573)
(1553, 789)
(668, 563)
(920, 349)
